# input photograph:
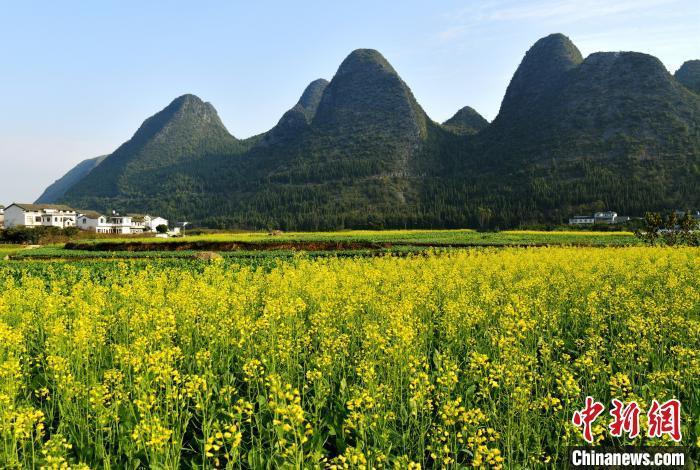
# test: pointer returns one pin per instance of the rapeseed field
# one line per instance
(468, 358)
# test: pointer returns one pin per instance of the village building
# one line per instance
(56, 215)
(2, 215)
(93, 221)
(605, 217)
(99, 223)
(146, 223)
(119, 224)
(581, 220)
(694, 214)
(38, 215)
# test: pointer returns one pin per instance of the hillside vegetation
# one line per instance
(614, 130)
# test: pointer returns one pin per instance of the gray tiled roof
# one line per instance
(39, 207)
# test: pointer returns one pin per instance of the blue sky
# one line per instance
(78, 78)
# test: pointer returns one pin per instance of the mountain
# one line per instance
(610, 104)
(369, 114)
(689, 75)
(311, 98)
(543, 70)
(59, 187)
(351, 163)
(466, 121)
(299, 117)
(160, 160)
(614, 130)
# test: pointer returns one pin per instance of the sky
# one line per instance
(77, 78)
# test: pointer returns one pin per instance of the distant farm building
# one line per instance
(38, 215)
(581, 220)
(55, 215)
(120, 224)
(606, 217)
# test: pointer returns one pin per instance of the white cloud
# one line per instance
(560, 12)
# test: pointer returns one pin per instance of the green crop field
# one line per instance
(437, 237)
(6, 250)
(348, 243)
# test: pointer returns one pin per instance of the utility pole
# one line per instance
(184, 224)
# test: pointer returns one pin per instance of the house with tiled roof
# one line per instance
(37, 215)
(118, 223)
(101, 223)
(146, 223)
(57, 215)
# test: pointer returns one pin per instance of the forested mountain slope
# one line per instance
(613, 130)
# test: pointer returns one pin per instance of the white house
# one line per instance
(608, 217)
(120, 223)
(138, 224)
(154, 222)
(36, 215)
(100, 223)
(93, 221)
(581, 220)
(146, 223)
(55, 215)
(117, 223)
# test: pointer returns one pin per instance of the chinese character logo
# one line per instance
(587, 416)
(663, 419)
(625, 419)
